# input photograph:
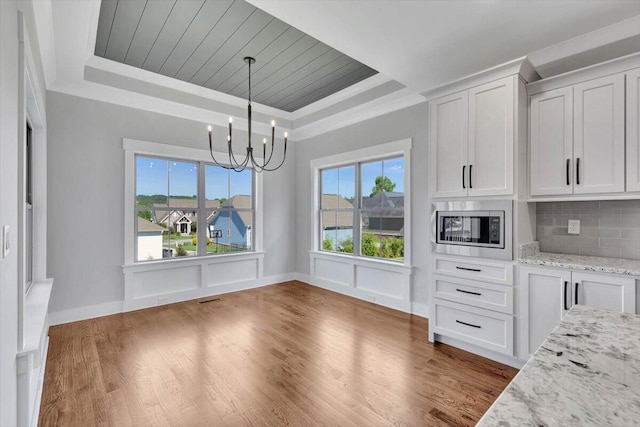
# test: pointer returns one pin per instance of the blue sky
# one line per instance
(342, 180)
(178, 178)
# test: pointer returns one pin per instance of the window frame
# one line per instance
(386, 151)
(135, 148)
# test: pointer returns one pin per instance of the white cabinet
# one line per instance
(546, 294)
(633, 130)
(472, 301)
(472, 140)
(577, 138)
(449, 135)
(598, 144)
(551, 164)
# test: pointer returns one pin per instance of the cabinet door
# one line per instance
(633, 130)
(491, 138)
(607, 292)
(449, 139)
(598, 146)
(551, 142)
(544, 298)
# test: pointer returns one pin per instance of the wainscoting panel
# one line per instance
(379, 282)
(335, 271)
(155, 283)
(230, 272)
(158, 282)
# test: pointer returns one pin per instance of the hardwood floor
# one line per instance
(286, 354)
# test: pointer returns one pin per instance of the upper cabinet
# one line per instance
(598, 135)
(579, 141)
(633, 130)
(472, 141)
(577, 138)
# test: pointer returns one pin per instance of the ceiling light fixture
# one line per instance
(255, 164)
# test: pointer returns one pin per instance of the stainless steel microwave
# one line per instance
(481, 228)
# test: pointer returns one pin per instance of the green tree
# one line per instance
(327, 244)
(181, 251)
(368, 244)
(145, 214)
(383, 183)
(397, 246)
(346, 245)
(222, 200)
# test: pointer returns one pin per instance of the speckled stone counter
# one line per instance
(530, 254)
(586, 373)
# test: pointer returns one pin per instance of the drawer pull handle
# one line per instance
(576, 294)
(468, 324)
(564, 297)
(468, 292)
(469, 269)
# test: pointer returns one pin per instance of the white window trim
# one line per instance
(133, 147)
(377, 152)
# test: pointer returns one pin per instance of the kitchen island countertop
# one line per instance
(586, 373)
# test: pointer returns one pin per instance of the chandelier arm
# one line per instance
(213, 157)
(277, 167)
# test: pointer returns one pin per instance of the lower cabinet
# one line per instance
(472, 301)
(546, 294)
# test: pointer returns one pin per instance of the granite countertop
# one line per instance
(530, 254)
(586, 373)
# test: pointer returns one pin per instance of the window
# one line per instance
(370, 195)
(170, 209)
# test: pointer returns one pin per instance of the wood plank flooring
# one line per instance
(282, 355)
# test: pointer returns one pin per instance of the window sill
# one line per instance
(371, 262)
(162, 264)
(36, 307)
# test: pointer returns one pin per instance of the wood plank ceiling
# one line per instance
(204, 42)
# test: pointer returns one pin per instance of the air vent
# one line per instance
(209, 300)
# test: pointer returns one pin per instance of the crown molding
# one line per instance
(520, 66)
(387, 104)
(618, 65)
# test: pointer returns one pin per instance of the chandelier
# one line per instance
(249, 160)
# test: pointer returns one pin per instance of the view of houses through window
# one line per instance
(169, 209)
(371, 196)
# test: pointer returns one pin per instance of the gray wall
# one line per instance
(86, 195)
(408, 123)
(607, 228)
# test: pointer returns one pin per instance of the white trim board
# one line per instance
(116, 307)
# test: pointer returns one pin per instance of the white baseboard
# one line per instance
(84, 313)
(115, 307)
(415, 308)
(420, 309)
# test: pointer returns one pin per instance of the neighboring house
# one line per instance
(386, 214)
(336, 225)
(149, 240)
(183, 225)
(181, 213)
(235, 224)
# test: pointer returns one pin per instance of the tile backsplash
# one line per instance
(607, 228)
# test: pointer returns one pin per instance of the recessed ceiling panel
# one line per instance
(204, 42)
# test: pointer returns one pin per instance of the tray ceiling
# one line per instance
(204, 42)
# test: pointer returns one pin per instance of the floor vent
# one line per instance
(209, 300)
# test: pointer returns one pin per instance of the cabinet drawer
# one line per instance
(483, 328)
(473, 268)
(478, 294)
